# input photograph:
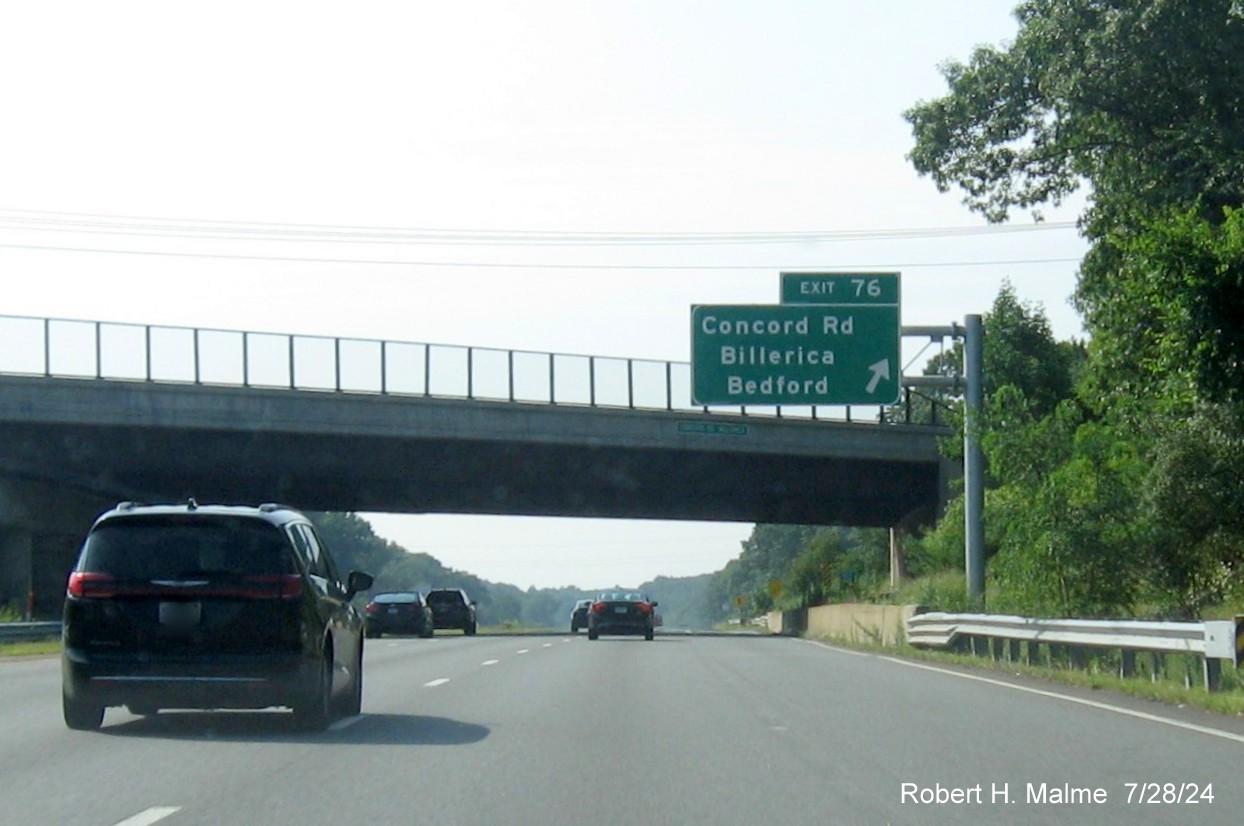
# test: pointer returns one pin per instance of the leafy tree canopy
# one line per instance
(1143, 99)
(1167, 306)
(1143, 102)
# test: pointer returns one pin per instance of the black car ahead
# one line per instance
(398, 612)
(578, 617)
(621, 612)
(209, 607)
(452, 608)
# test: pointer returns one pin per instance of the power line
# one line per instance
(537, 266)
(147, 226)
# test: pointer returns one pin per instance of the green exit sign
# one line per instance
(794, 354)
(839, 288)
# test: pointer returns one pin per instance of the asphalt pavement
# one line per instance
(684, 729)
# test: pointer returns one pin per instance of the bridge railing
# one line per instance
(121, 351)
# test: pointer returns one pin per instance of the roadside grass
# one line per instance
(739, 628)
(1169, 688)
(29, 649)
(1175, 683)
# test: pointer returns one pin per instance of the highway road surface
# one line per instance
(685, 729)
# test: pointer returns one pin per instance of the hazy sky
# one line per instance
(148, 151)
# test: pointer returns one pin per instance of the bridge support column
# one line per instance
(41, 531)
(16, 570)
(898, 558)
(33, 570)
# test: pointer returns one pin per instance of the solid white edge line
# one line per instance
(850, 651)
(436, 682)
(1141, 715)
(149, 816)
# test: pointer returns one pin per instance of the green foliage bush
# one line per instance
(946, 591)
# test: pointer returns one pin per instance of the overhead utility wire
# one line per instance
(88, 223)
(536, 266)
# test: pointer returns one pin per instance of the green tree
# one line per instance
(812, 575)
(1170, 318)
(1194, 495)
(353, 543)
(1064, 518)
(765, 555)
(1143, 101)
(684, 600)
(1019, 350)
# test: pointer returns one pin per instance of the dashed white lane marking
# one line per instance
(149, 816)
(491, 662)
(1153, 718)
(547, 645)
(436, 682)
(523, 651)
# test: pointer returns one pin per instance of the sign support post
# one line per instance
(973, 462)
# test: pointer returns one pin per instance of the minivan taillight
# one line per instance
(95, 585)
(276, 586)
(83, 584)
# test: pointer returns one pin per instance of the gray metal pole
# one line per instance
(973, 462)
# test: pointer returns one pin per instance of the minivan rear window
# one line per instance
(181, 547)
(395, 597)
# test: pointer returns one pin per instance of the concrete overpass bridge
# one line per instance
(96, 412)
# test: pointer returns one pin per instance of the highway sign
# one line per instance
(794, 354)
(840, 288)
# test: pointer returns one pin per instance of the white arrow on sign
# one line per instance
(881, 370)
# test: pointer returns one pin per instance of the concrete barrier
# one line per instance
(788, 623)
(852, 622)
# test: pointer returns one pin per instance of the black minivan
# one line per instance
(210, 607)
(452, 608)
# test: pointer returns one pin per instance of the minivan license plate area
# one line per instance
(178, 615)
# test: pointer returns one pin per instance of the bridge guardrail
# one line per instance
(1212, 641)
(27, 631)
(74, 348)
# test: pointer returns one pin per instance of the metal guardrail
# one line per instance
(1212, 641)
(27, 631)
(72, 348)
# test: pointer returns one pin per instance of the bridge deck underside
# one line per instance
(455, 475)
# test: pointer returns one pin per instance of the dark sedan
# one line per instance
(399, 612)
(621, 612)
